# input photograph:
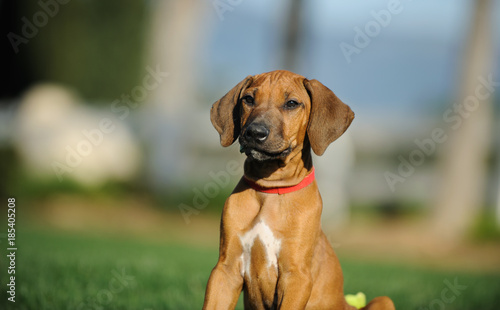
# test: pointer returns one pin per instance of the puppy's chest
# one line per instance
(261, 249)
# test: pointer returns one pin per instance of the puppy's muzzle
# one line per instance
(256, 142)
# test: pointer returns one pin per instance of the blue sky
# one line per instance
(410, 65)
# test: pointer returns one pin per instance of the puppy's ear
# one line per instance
(329, 117)
(225, 115)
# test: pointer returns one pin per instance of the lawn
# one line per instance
(83, 271)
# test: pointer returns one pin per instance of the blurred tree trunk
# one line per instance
(339, 158)
(293, 25)
(175, 37)
(463, 161)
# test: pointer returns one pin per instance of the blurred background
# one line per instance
(106, 143)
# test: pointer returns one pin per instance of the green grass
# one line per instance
(71, 271)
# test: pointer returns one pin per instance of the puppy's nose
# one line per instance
(257, 132)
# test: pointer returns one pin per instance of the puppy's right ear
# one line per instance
(225, 115)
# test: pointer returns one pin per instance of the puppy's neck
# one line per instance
(280, 173)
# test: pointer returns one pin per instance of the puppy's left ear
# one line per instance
(329, 117)
(225, 115)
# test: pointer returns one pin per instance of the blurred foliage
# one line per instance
(390, 210)
(17, 182)
(485, 228)
(94, 46)
(172, 200)
(9, 170)
(35, 189)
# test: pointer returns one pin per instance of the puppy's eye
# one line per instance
(291, 104)
(248, 100)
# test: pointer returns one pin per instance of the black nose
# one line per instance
(256, 132)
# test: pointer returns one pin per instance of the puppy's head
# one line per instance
(271, 114)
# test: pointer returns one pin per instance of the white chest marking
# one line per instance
(270, 243)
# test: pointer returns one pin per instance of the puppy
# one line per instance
(271, 243)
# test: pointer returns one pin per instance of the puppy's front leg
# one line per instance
(294, 287)
(294, 265)
(224, 287)
(226, 282)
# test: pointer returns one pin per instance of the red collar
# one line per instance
(282, 190)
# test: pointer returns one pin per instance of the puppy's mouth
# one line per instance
(262, 155)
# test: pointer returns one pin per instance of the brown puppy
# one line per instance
(271, 242)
